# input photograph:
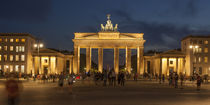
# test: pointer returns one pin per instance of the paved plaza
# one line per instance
(134, 93)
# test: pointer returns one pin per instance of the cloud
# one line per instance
(25, 10)
(186, 8)
(162, 35)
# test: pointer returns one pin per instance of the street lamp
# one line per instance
(194, 48)
(38, 46)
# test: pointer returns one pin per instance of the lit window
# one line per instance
(19, 48)
(6, 40)
(5, 48)
(16, 68)
(6, 68)
(199, 50)
(17, 40)
(23, 40)
(16, 48)
(206, 42)
(5, 57)
(206, 59)
(17, 57)
(11, 48)
(0, 39)
(194, 60)
(0, 57)
(11, 57)
(11, 40)
(22, 57)
(11, 68)
(22, 68)
(206, 50)
(199, 59)
(23, 48)
(200, 42)
(0, 67)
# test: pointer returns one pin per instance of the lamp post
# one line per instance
(38, 46)
(193, 48)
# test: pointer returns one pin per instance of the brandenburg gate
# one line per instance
(109, 38)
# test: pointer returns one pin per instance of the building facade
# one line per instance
(196, 49)
(16, 52)
(165, 63)
(49, 61)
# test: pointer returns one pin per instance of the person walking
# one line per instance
(198, 82)
(13, 89)
(70, 83)
(182, 80)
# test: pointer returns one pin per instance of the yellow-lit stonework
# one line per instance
(51, 62)
(109, 38)
(166, 62)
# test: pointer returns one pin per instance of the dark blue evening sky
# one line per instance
(164, 22)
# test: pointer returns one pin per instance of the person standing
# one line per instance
(163, 78)
(159, 78)
(105, 76)
(61, 80)
(176, 80)
(122, 78)
(119, 78)
(113, 78)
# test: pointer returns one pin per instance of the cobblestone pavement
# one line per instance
(134, 93)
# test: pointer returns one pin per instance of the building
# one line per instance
(109, 38)
(51, 61)
(165, 63)
(16, 52)
(196, 49)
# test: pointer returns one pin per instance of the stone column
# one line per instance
(128, 59)
(167, 70)
(88, 59)
(56, 64)
(183, 68)
(100, 59)
(49, 69)
(160, 72)
(34, 68)
(116, 60)
(40, 65)
(76, 66)
(140, 60)
(177, 65)
(70, 65)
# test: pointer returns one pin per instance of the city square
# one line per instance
(144, 92)
(104, 52)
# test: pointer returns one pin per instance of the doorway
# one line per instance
(171, 70)
(45, 70)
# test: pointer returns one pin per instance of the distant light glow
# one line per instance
(191, 46)
(196, 46)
